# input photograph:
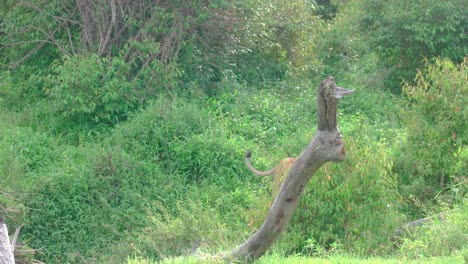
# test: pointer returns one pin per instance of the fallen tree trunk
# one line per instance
(327, 145)
(6, 251)
(410, 227)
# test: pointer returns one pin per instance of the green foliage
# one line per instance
(326, 9)
(335, 259)
(76, 212)
(439, 238)
(25, 152)
(403, 33)
(124, 125)
(351, 207)
(436, 119)
(285, 33)
(193, 227)
(190, 144)
(24, 47)
(93, 88)
(337, 47)
(262, 117)
(161, 133)
(105, 59)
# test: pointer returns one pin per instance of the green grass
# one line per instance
(172, 175)
(313, 260)
(350, 260)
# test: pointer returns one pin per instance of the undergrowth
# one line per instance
(171, 179)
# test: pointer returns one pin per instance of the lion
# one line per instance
(279, 171)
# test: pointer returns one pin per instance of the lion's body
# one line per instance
(282, 171)
(279, 171)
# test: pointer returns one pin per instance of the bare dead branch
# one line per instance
(110, 27)
(326, 146)
(29, 54)
(86, 18)
(15, 237)
(18, 43)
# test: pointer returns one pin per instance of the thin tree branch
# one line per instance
(110, 27)
(29, 54)
(15, 237)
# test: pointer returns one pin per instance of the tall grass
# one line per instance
(172, 178)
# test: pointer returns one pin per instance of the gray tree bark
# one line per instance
(327, 145)
(410, 227)
(6, 251)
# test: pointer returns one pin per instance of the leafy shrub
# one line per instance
(152, 133)
(187, 143)
(26, 151)
(265, 115)
(93, 88)
(436, 118)
(337, 49)
(25, 155)
(438, 238)
(403, 33)
(76, 213)
(352, 205)
(193, 226)
(283, 32)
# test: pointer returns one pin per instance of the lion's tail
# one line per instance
(255, 171)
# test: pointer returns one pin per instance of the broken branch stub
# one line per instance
(327, 145)
(327, 102)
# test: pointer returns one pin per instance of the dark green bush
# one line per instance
(124, 124)
(76, 213)
(352, 206)
(93, 88)
(433, 154)
(403, 33)
(151, 133)
(88, 88)
(439, 238)
(193, 227)
(284, 33)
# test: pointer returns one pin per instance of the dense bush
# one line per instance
(76, 212)
(124, 124)
(102, 60)
(352, 206)
(286, 32)
(403, 33)
(433, 152)
(92, 88)
(437, 238)
(193, 227)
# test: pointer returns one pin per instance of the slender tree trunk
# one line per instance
(327, 145)
(6, 251)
